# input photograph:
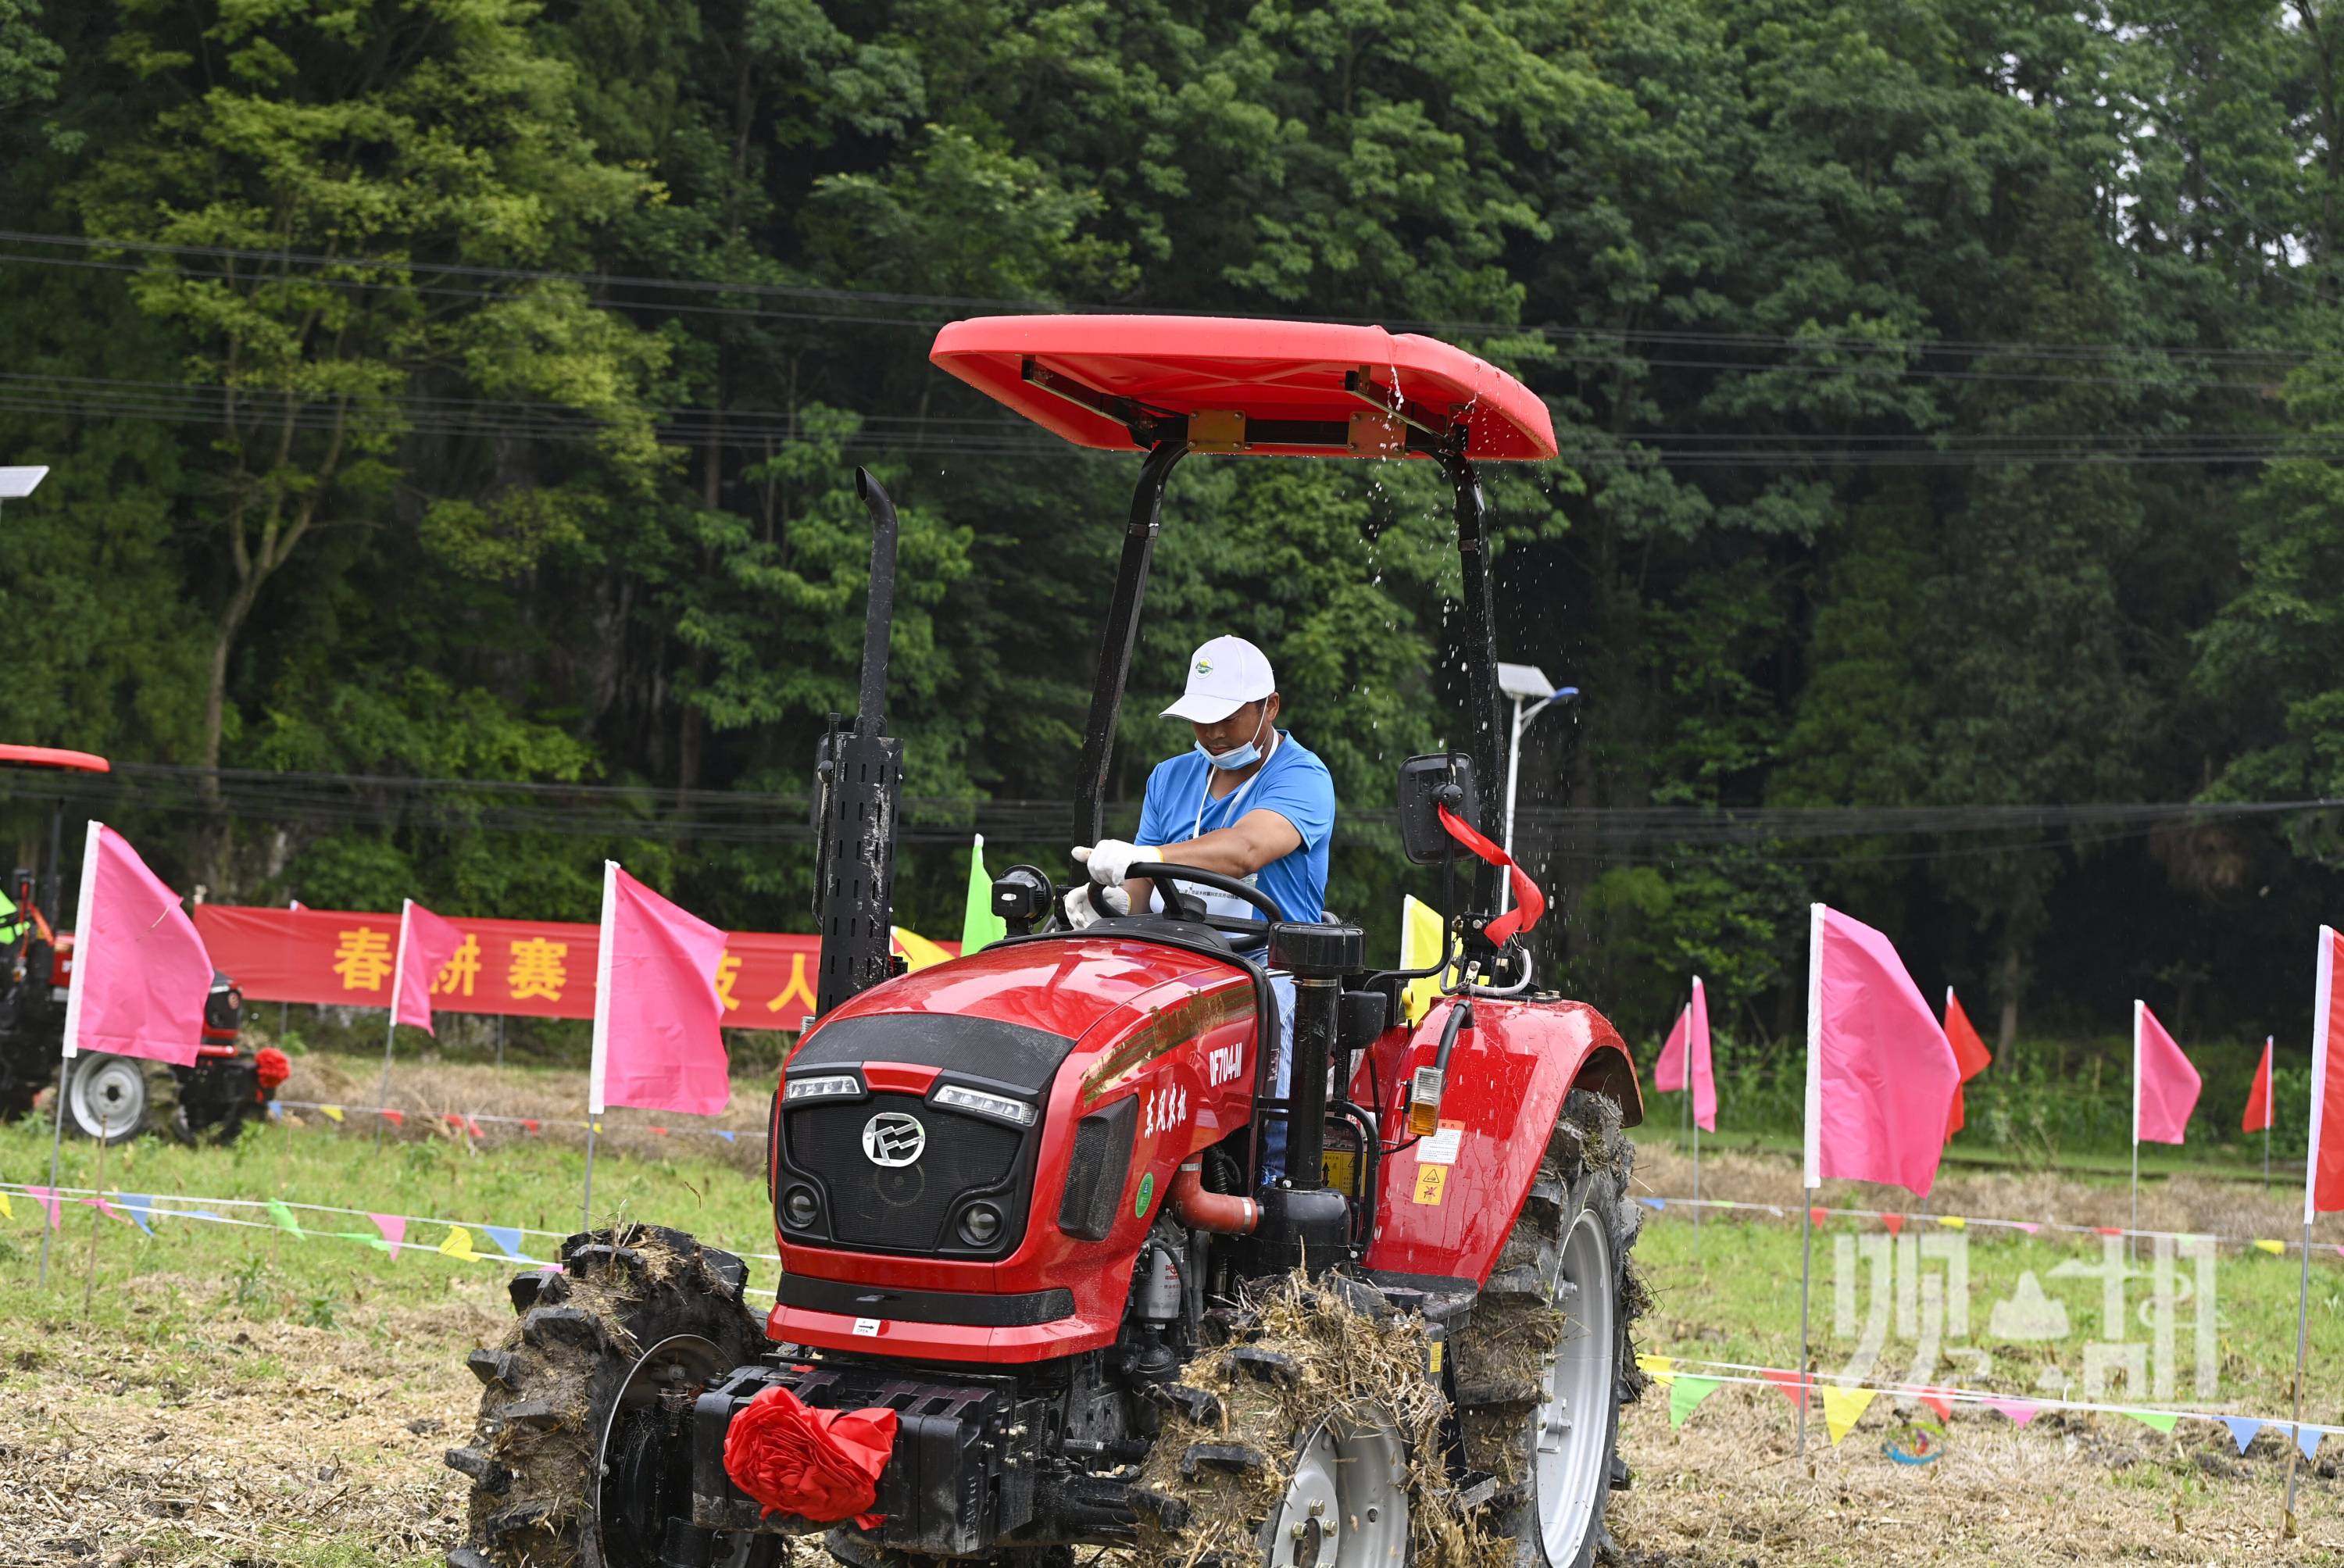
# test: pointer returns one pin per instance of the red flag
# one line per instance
(427, 945)
(140, 972)
(1880, 1073)
(2258, 1099)
(1969, 1053)
(2323, 1178)
(2164, 1085)
(658, 1042)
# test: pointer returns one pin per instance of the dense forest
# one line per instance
(1951, 400)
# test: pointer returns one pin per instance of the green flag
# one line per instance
(980, 925)
(284, 1217)
(2160, 1420)
(1685, 1394)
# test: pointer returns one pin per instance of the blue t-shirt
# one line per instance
(1293, 783)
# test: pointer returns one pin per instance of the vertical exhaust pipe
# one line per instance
(858, 784)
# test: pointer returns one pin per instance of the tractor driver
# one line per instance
(1250, 802)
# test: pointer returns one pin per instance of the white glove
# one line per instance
(1077, 904)
(1111, 859)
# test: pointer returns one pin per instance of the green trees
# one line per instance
(469, 388)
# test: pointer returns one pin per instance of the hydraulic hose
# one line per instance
(1224, 1213)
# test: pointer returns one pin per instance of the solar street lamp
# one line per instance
(1523, 684)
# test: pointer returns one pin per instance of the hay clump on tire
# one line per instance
(1300, 1353)
(1518, 1322)
(550, 1386)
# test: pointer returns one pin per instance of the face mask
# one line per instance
(1237, 757)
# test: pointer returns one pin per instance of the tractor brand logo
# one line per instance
(1223, 1063)
(893, 1139)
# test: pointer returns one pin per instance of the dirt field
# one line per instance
(242, 1443)
(238, 1399)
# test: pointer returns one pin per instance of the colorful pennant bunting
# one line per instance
(1685, 1394)
(1842, 1408)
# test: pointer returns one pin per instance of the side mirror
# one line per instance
(1426, 784)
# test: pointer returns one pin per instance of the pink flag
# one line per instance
(2323, 1176)
(1704, 1081)
(47, 1199)
(2164, 1085)
(1880, 1072)
(394, 1230)
(1686, 1054)
(658, 1038)
(427, 943)
(1668, 1071)
(140, 972)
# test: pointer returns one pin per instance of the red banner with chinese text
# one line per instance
(535, 968)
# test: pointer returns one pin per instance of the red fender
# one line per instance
(1445, 1203)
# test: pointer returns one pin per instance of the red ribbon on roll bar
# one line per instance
(1529, 902)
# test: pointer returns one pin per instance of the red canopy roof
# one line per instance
(55, 757)
(1281, 371)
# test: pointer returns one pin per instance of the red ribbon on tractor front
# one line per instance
(820, 1464)
(1529, 902)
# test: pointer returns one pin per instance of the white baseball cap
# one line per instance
(1224, 675)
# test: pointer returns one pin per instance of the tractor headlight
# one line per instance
(980, 1225)
(976, 1102)
(835, 1086)
(800, 1207)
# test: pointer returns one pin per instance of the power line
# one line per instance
(1652, 834)
(829, 294)
(751, 429)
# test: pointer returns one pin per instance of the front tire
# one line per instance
(1546, 1364)
(566, 1468)
(107, 1096)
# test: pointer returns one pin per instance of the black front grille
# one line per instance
(906, 1209)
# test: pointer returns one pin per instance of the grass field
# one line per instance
(236, 1396)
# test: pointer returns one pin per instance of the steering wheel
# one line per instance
(1228, 925)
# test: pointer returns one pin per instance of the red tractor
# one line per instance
(1040, 1288)
(105, 1096)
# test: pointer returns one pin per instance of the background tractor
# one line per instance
(1040, 1290)
(105, 1096)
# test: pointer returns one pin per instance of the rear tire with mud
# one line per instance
(1546, 1362)
(614, 1342)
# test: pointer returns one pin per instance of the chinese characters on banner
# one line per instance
(534, 968)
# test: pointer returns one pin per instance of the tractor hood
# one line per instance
(969, 1156)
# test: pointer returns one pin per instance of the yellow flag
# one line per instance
(333, 1112)
(917, 950)
(459, 1244)
(1842, 1408)
(7, 1209)
(1660, 1369)
(2276, 1248)
(1423, 938)
(1953, 1222)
